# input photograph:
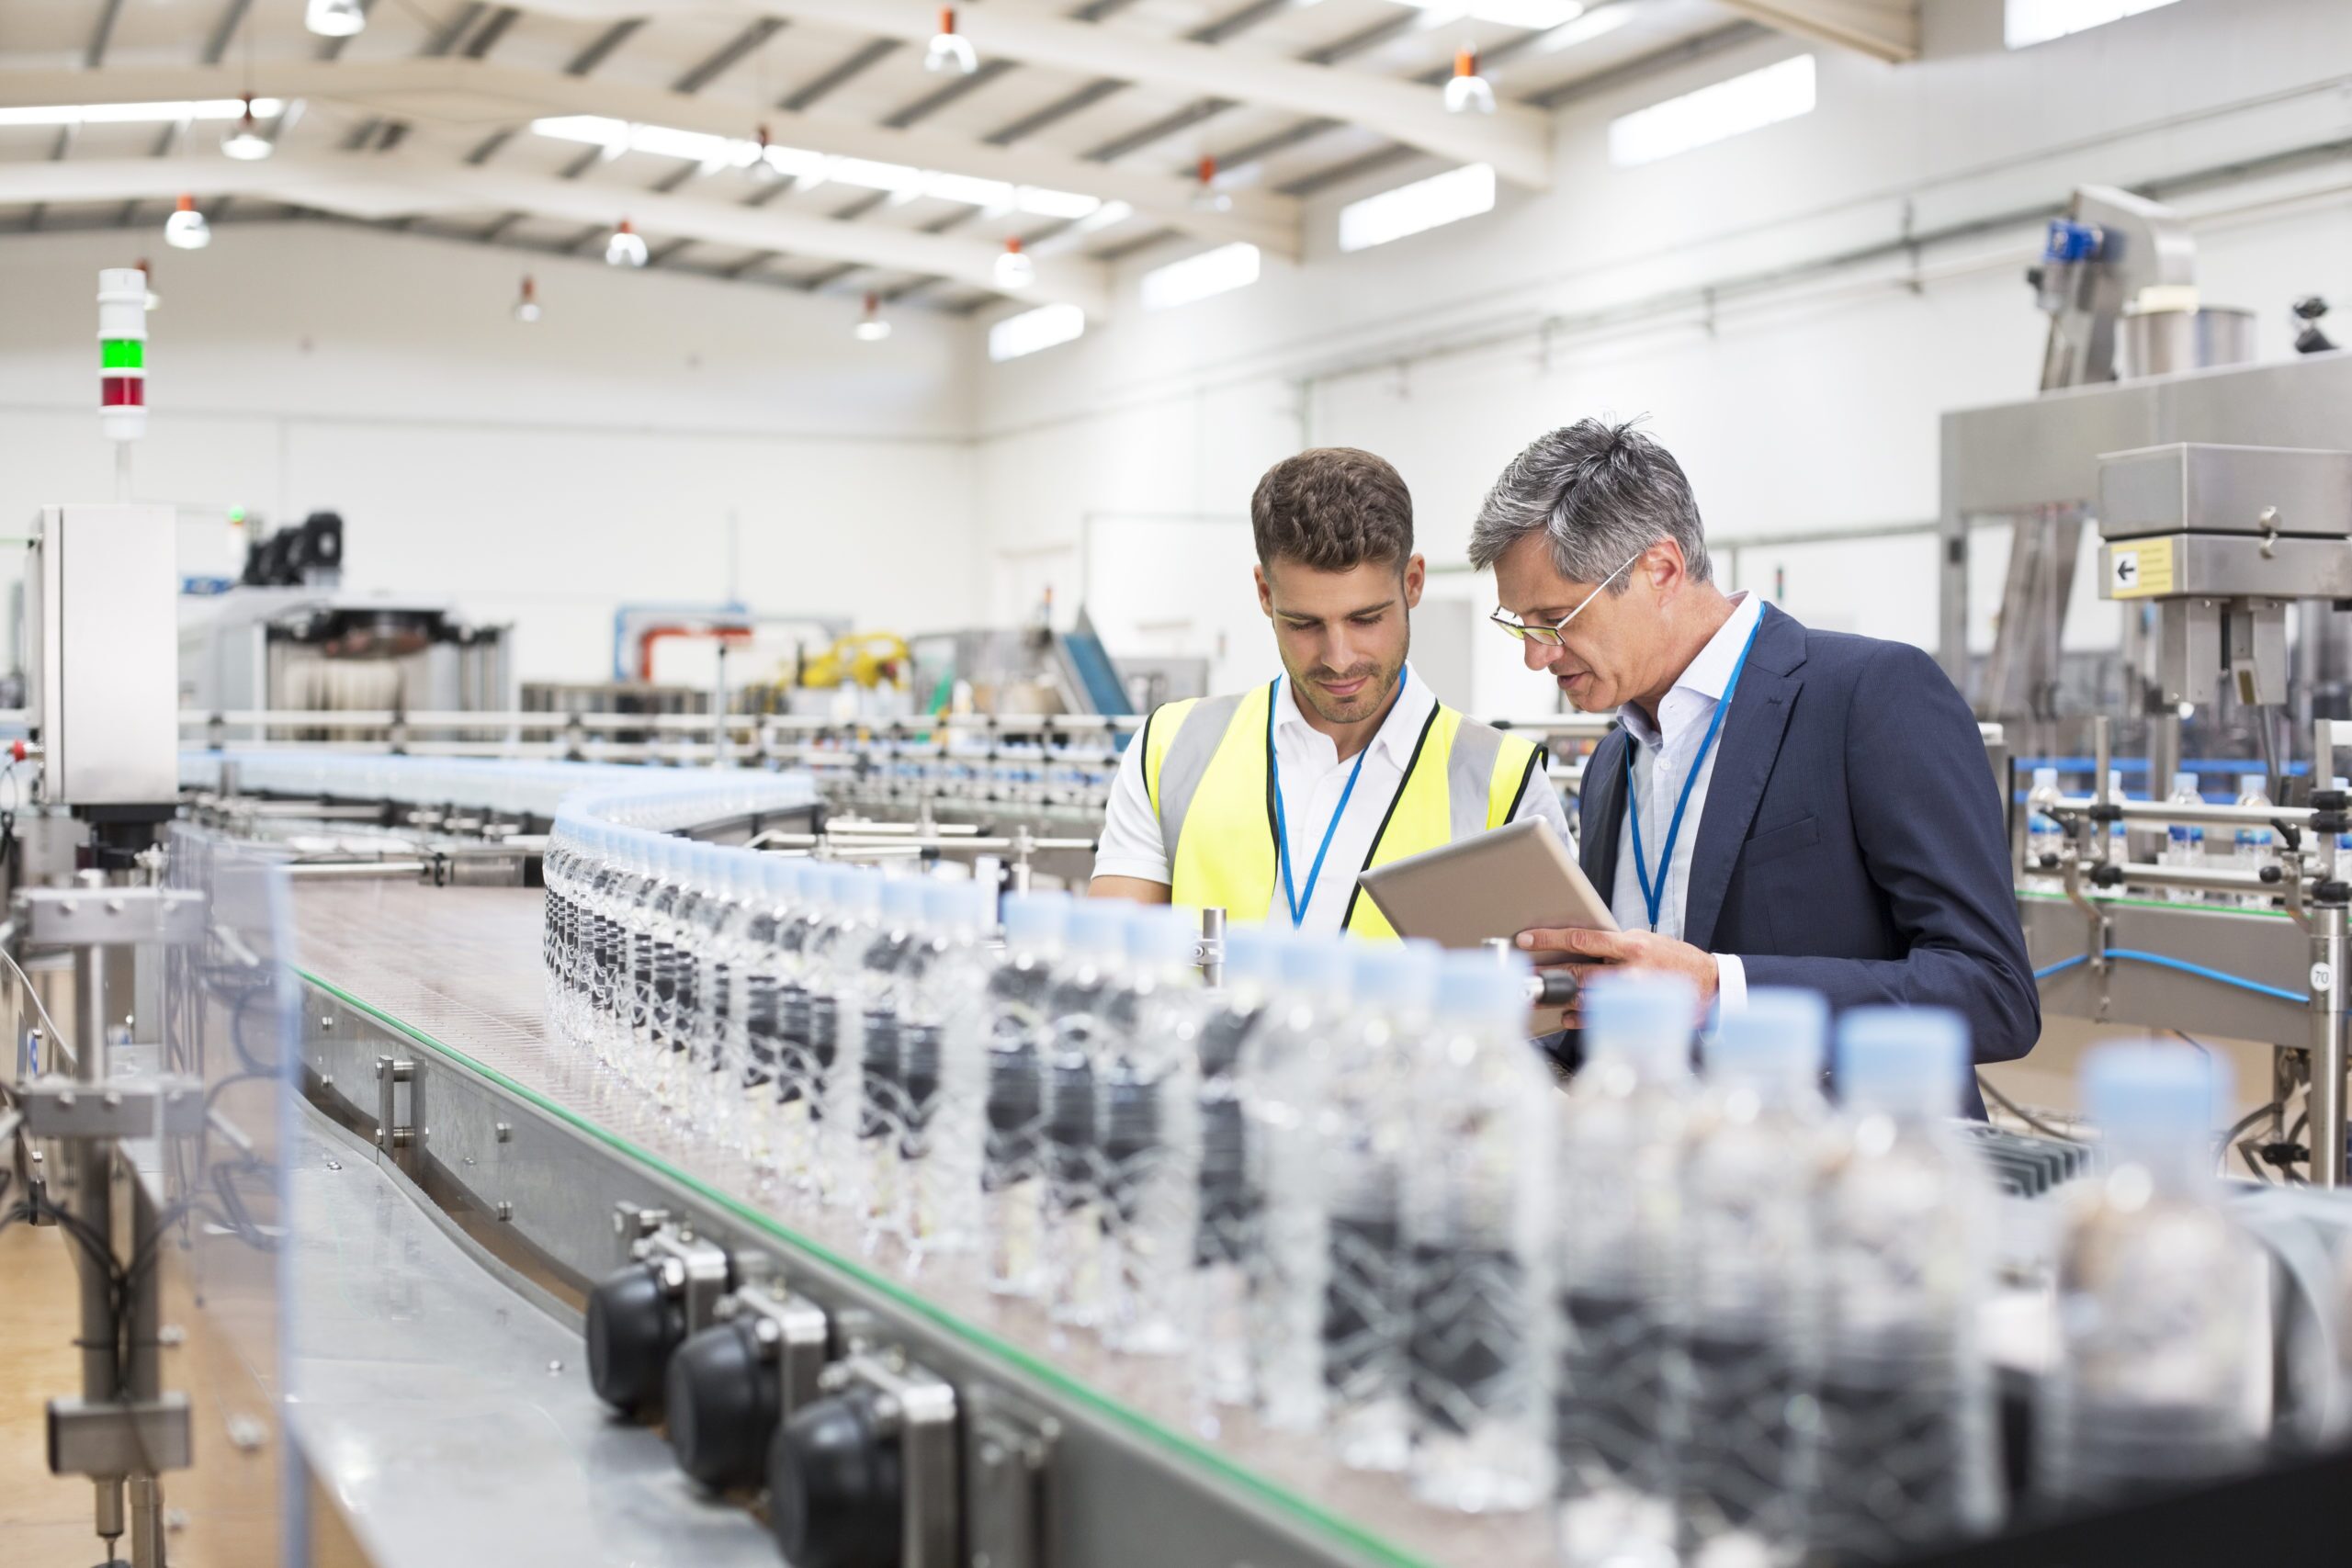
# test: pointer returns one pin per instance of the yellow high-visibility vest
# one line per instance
(1210, 779)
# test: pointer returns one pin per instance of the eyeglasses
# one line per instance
(1550, 635)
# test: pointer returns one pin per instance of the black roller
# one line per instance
(722, 1401)
(633, 1325)
(837, 1485)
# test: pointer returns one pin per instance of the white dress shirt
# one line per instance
(1312, 779)
(1662, 758)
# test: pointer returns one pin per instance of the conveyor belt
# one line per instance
(460, 969)
(446, 1417)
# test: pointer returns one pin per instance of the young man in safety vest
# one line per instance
(1269, 804)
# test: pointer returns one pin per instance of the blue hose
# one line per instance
(2134, 956)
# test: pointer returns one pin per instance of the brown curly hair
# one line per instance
(1332, 508)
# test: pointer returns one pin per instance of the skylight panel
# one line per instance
(1032, 330)
(1411, 209)
(1219, 271)
(1713, 114)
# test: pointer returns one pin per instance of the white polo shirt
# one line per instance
(1312, 779)
(1661, 759)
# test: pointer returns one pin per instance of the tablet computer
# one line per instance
(1515, 878)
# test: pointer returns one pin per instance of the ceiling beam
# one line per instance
(1516, 139)
(381, 187)
(473, 97)
(1883, 29)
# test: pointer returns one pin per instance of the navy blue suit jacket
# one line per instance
(1852, 841)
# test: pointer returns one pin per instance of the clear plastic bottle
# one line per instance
(609, 989)
(664, 957)
(2043, 836)
(557, 904)
(707, 1002)
(946, 1071)
(1017, 1023)
(1083, 1033)
(1478, 1200)
(2185, 841)
(1285, 1064)
(1908, 1447)
(1750, 1279)
(1147, 1097)
(633, 902)
(2162, 1376)
(1367, 1124)
(1229, 1205)
(1619, 1164)
(874, 1033)
(764, 971)
(837, 1095)
(807, 1028)
(2255, 849)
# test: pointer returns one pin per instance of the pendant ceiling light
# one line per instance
(185, 228)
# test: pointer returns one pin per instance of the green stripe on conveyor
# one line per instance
(2104, 900)
(1287, 1502)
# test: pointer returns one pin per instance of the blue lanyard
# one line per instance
(1281, 822)
(1653, 895)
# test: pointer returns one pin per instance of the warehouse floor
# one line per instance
(223, 1503)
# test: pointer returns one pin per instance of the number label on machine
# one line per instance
(2140, 570)
(2322, 977)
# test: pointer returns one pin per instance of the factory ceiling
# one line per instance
(817, 144)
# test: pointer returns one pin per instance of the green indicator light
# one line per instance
(237, 516)
(122, 353)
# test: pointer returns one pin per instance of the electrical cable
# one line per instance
(2021, 1113)
(2235, 1137)
(2164, 961)
(56, 1037)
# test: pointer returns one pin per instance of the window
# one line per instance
(1034, 330)
(137, 114)
(1534, 15)
(1409, 209)
(1226, 268)
(903, 182)
(2031, 22)
(1713, 114)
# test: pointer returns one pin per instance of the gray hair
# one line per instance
(1601, 494)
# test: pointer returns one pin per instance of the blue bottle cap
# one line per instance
(1904, 1061)
(1647, 1019)
(1778, 1038)
(1159, 938)
(2148, 1093)
(902, 900)
(1395, 977)
(1317, 964)
(1035, 920)
(1253, 956)
(1097, 927)
(1484, 987)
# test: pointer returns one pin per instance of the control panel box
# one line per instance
(101, 654)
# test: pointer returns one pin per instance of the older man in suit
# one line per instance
(1778, 805)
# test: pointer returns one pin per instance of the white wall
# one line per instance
(1803, 405)
(542, 473)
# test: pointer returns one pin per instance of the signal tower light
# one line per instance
(123, 353)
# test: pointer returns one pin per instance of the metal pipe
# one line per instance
(2155, 812)
(2147, 873)
(356, 870)
(1213, 945)
(93, 1165)
(2327, 1101)
(146, 1522)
